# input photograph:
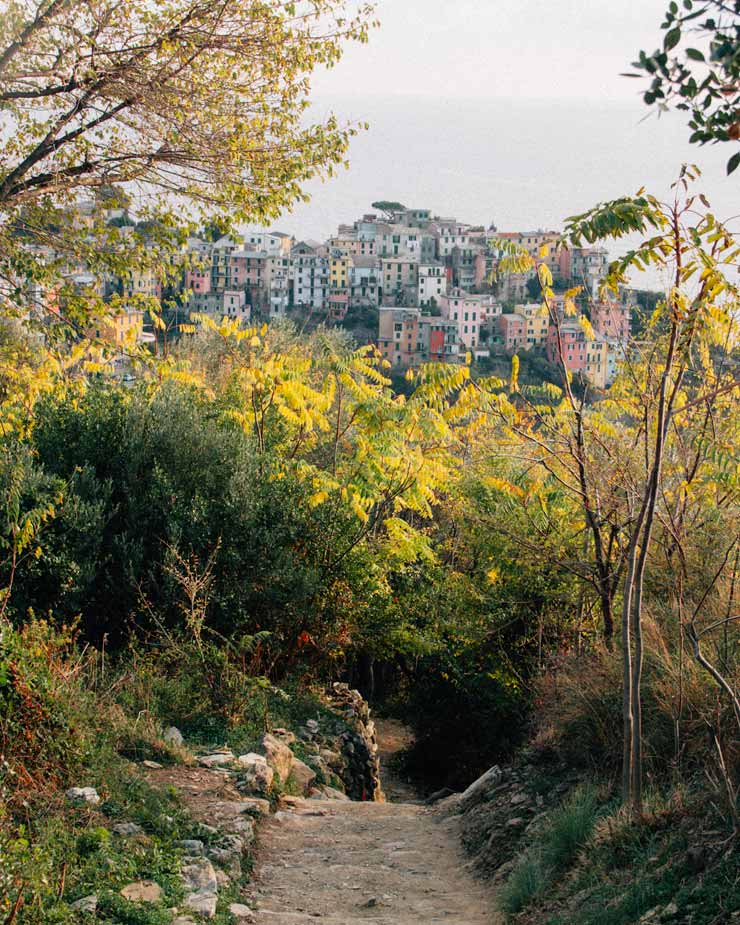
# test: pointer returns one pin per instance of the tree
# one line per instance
(192, 108)
(688, 248)
(533, 288)
(389, 208)
(611, 458)
(697, 69)
(198, 98)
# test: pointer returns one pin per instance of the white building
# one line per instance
(271, 242)
(432, 283)
(364, 281)
(310, 274)
(278, 283)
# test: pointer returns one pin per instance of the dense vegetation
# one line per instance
(492, 555)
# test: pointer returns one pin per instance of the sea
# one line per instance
(520, 164)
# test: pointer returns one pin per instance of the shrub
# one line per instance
(43, 738)
(570, 827)
(464, 704)
(527, 882)
(579, 710)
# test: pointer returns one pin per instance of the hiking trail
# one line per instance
(345, 863)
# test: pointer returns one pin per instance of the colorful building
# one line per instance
(310, 276)
(400, 277)
(432, 283)
(538, 323)
(612, 318)
(512, 330)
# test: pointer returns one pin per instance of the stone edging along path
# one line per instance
(323, 857)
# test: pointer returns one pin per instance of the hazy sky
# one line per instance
(500, 48)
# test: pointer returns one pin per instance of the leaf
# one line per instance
(672, 38)
(695, 54)
(514, 373)
(504, 486)
(733, 163)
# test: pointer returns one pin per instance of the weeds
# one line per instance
(569, 828)
(527, 882)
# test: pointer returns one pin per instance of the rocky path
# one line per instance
(393, 863)
(393, 737)
(348, 863)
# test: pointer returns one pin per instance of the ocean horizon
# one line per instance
(521, 164)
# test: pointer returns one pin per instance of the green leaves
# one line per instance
(672, 39)
(614, 219)
(697, 79)
(733, 163)
(197, 108)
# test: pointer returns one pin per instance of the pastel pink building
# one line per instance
(612, 319)
(513, 332)
(198, 280)
(247, 269)
(338, 303)
(572, 343)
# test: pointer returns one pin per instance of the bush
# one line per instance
(468, 712)
(43, 733)
(568, 829)
(579, 711)
(570, 826)
(528, 881)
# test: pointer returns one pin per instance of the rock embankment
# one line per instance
(360, 769)
(501, 809)
(329, 760)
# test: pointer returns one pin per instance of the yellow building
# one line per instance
(538, 322)
(597, 364)
(124, 328)
(339, 267)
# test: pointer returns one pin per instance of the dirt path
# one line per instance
(344, 863)
(393, 737)
(351, 863)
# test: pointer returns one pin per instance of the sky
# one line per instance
(514, 111)
(537, 49)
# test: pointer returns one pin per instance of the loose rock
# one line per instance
(258, 773)
(242, 914)
(202, 903)
(173, 736)
(216, 760)
(127, 829)
(82, 795)
(199, 876)
(86, 904)
(278, 756)
(302, 775)
(191, 846)
(142, 891)
(479, 788)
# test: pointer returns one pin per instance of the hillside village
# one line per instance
(423, 288)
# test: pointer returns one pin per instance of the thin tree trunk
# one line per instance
(627, 706)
